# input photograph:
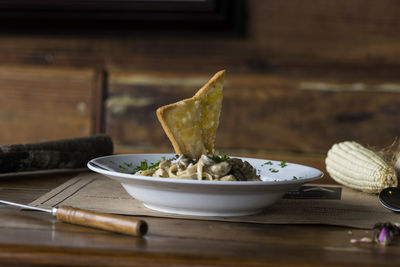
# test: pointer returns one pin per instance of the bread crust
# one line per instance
(218, 77)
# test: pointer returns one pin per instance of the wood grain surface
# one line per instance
(298, 112)
(305, 75)
(29, 238)
(39, 104)
(343, 33)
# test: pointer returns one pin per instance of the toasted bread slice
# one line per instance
(191, 124)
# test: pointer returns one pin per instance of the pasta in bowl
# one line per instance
(211, 167)
(204, 197)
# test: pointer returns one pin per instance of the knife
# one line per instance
(109, 222)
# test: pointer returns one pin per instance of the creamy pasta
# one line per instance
(206, 168)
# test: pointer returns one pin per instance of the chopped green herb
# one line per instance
(218, 159)
(294, 178)
(128, 164)
(142, 167)
(145, 166)
(121, 167)
(283, 164)
(154, 165)
(268, 163)
(273, 170)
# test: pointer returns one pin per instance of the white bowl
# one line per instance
(205, 198)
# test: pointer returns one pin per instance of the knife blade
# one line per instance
(99, 220)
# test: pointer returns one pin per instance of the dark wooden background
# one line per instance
(302, 76)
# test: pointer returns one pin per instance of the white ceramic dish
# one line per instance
(205, 198)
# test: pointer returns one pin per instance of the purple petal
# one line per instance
(384, 236)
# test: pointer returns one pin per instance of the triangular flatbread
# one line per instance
(191, 124)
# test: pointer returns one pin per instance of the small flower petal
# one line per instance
(384, 236)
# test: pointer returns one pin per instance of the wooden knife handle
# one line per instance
(109, 222)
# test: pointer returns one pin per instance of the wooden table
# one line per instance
(32, 238)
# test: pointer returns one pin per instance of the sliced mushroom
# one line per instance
(243, 171)
(220, 169)
(183, 162)
(206, 160)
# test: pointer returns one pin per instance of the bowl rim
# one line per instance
(92, 165)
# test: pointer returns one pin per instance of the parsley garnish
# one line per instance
(268, 163)
(219, 159)
(145, 166)
(155, 165)
(294, 178)
(273, 170)
(283, 164)
(128, 164)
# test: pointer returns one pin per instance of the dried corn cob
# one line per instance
(357, 167)
(397, 164)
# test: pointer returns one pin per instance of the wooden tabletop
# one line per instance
(35, 238)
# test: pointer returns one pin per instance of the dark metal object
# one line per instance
(390, 198)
